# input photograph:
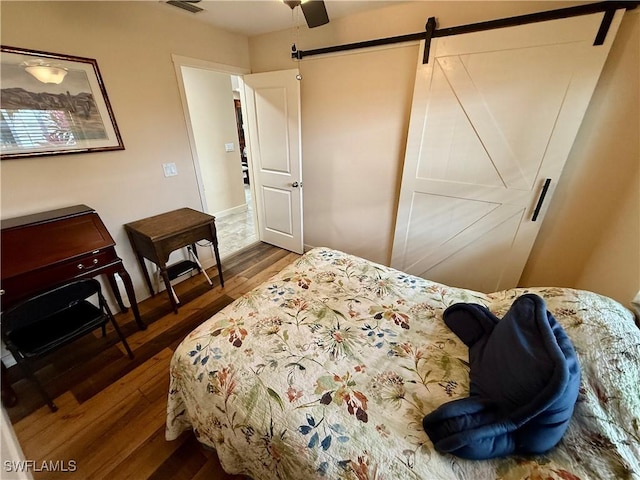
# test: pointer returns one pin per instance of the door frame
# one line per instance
(179, 62)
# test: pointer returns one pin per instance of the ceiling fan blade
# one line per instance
(188, 5)
(315, 13)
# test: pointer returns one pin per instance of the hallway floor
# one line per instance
(236, 231)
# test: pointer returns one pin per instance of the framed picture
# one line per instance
(53, 104)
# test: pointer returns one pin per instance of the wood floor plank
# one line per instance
(183, 464)
(141, 337)
(147, 458)
(117, 432)
(262, 276)
(42, 419)
(259, 268)
(83, 417)
(212, 470)
(117, 439)
(112, 434)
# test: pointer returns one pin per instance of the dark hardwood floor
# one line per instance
(111, 413)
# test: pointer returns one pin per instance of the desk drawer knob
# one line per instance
(81, 266)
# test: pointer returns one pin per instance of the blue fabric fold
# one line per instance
(524, 381)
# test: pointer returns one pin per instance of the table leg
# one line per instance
(145, 272)
(143, 265)
(167, 284)
(217, 253)
(131, 294)
(116, 292)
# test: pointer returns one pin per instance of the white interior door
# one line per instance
(494, 115)
(272, 108)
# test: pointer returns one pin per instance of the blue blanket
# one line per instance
(524, 381)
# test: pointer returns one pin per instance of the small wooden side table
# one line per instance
(154, 238)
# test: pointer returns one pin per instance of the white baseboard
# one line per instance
(230, 211)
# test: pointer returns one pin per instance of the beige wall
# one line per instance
(132, 43)
(213, 120)
(355, 113)
(591, 235)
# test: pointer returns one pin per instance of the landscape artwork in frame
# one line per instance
(53, 104)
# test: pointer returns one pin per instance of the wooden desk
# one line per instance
(154, 238)
(47, 249)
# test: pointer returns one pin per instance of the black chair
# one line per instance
(43, 323)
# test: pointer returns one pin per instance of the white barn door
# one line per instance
(494, 115)
(272, 107)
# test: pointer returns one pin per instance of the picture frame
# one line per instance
(52, 104)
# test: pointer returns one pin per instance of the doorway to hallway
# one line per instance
(270, 101)
(211, 97)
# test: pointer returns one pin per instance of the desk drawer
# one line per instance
(83, 266)
(29, 283)
(92, 262)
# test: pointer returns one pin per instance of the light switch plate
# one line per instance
(170, 169)
(229, 147)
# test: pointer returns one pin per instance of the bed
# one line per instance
(327, 370)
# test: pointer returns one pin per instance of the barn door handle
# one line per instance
(543, 194)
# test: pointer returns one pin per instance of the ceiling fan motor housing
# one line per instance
(315, 12)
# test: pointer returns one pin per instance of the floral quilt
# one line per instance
(326, 371)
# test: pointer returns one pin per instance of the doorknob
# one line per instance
(296, 184)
